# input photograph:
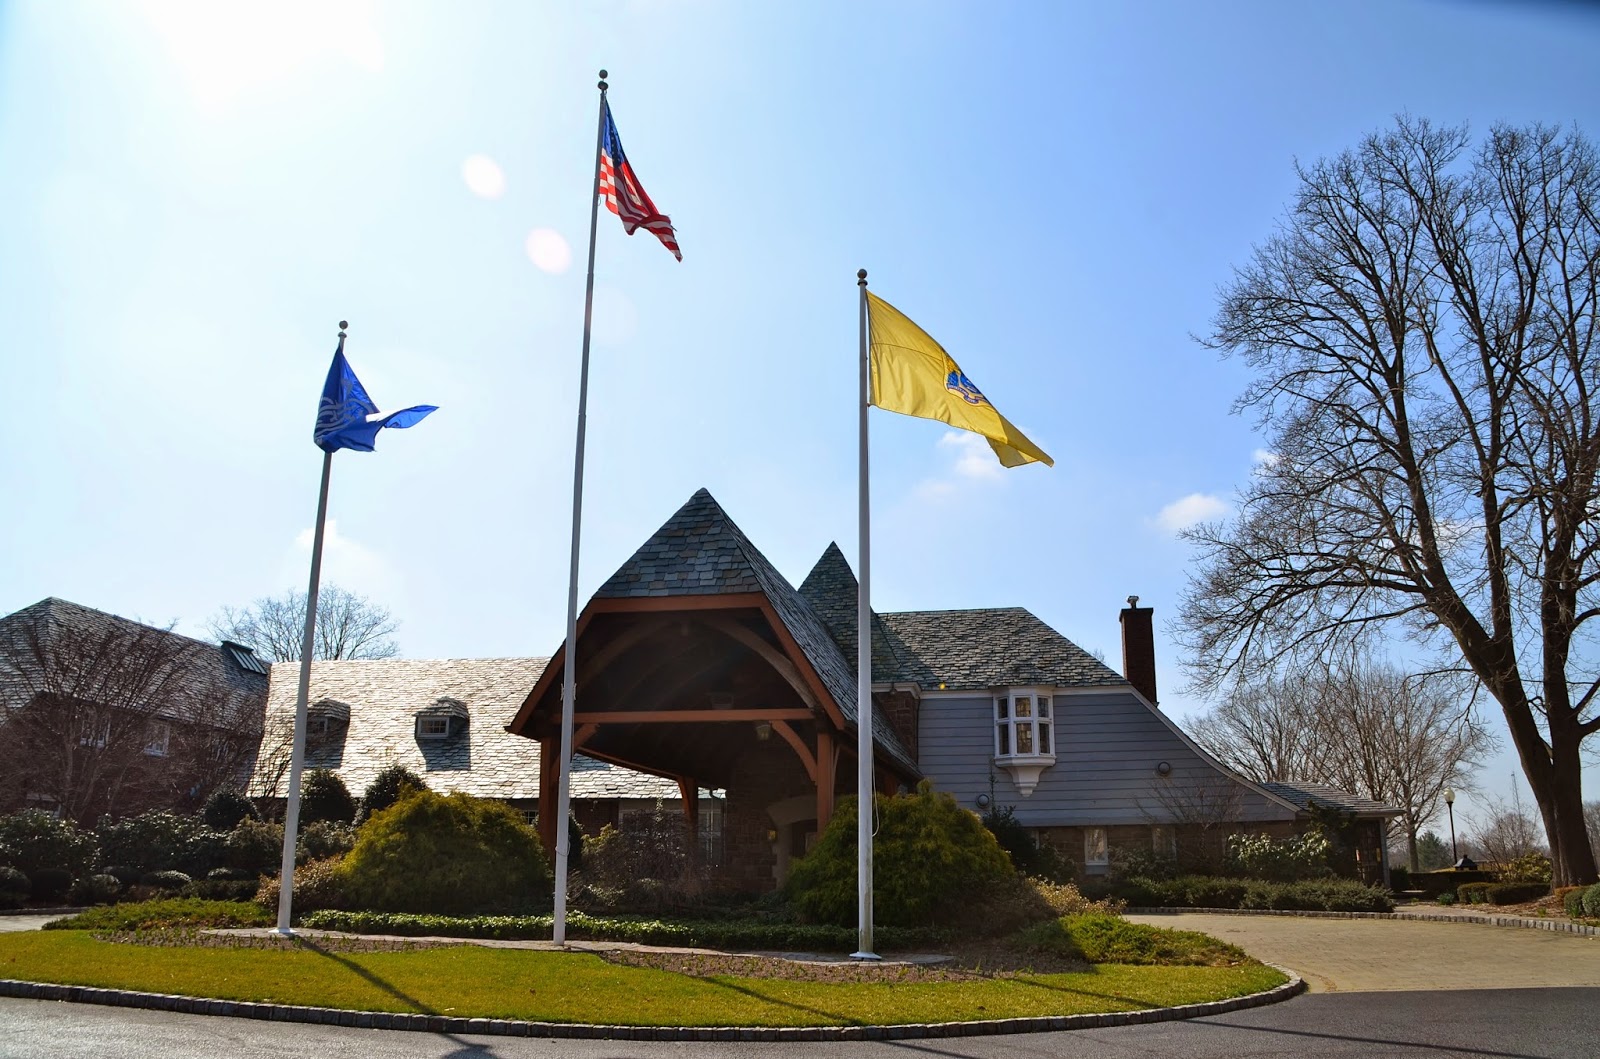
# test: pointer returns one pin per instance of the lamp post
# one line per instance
(1450, 808)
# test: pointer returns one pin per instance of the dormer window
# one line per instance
(1024, 743)
(325, 717)
(447, 717)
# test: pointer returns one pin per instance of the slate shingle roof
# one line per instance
(700, 551)
(384, 698)
(1305, 795)
(206, 668)
(958, 649)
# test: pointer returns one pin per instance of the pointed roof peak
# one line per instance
(698, 551)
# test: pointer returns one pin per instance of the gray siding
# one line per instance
(1107, 747)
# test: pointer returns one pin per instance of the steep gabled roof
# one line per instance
(955, 649)
(204, 667)
(1322, 796)
(700, 551)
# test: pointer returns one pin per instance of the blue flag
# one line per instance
(348, 418)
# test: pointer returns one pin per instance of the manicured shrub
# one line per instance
(932, 861)
(323, 796)
(324, 839)
(1399, 877)
(224, 809)
(163, 914)
(14, 888)
(1515, 893)
(317, 886)
(1473, 893)
(95, 890)
(1571, 898)
(51, 884)
(230, 875)
(1203, 891)
(1591, 902)
(34, 839)
(1447, 898)
(165, 880)
(387, 787)
(222, 889)
(255, 847)
(1102, 938)
(447, 854)
(160, 841)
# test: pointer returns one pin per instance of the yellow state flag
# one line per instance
(912, 374)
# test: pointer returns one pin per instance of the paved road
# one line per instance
(9, 923)
(1474, 1024)
(1364, 955)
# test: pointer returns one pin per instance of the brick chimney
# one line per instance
(1139, 648)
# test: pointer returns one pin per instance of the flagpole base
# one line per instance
(865, 956)
(284, 932)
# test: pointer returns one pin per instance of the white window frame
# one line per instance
(318, 725)
(425, 725)
(1024, 716)
(158, 739)
(97, 735)
(1096, 848)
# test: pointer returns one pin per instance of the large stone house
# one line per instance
(709, 686)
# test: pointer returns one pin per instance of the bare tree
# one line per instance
(1507, 833)
(100, 714)
(1423, 332)
(348, 626)
(1362, 726)
(1591, 820)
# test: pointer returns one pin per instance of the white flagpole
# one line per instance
(297, 758)
(569, 669)
(865, 788)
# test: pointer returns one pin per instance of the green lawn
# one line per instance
(472, 981)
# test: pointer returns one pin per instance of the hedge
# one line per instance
(721, 934)
(1201, 891)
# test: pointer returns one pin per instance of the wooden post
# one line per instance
(549, 793)
(825, 761)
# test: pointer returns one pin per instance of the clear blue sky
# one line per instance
(192, 194)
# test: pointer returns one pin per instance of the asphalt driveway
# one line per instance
(1369, 955)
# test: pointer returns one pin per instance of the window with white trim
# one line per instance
(158, 739)
(1024, 736)
(433, 726)
(1096, 851)
(1164, 840)
(1022, 724)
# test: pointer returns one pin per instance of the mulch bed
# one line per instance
(968, 963)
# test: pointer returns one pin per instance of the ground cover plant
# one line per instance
(1204, 891)
(1100, 938)
(162, 914)
(471, 981)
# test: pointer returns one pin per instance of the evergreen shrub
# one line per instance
(164, 914)
(1591, 902)
(323, 796)
(1473, 893)
(255, 847)
(32, 839)
(1028, 854)
(933, 861)
(387, 787)
(165, 880)
(224, 809)
(1515, 893)
(14, 888)
(324, 839)
(96, 890)
(160, 841)
(1098, 937)
(1204, 891)
(1281, 860)
(1571, 898)
(450, 854)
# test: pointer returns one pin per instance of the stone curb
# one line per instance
(1560, 926)
(383, 1020)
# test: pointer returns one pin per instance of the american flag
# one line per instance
(624, 197)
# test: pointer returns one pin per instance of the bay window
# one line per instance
(1024, 743)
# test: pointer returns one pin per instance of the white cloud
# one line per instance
(345, 562)
(1191, 511)
(974, 461)
(1264, 457)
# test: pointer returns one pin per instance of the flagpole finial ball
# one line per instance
(861, 277)
(604, 75)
